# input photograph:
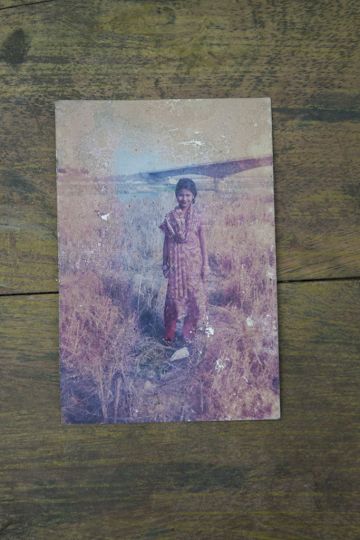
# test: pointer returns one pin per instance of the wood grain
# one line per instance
(296, 478)
(6, 4)
(294, 52)
(305, 56)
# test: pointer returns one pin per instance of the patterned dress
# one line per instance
(185, 297)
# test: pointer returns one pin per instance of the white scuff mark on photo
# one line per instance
(194, 142)
(105, 217)
(250, 322)
(221, 364)
(149, 386)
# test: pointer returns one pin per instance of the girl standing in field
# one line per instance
(185, 263)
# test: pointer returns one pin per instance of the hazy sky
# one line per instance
(126, 137)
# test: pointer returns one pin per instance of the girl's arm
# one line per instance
(166, 256)
(165, 250)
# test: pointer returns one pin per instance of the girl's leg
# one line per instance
(170, 318)
(191, 320)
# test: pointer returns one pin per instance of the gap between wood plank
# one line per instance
(29, 4)
(320, 114)
(313, 280)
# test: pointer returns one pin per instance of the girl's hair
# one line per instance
(186, 183)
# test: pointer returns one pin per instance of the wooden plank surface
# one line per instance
(297, 478)
(294, 479)
(6, 4)
(295, 52)
(305, 56)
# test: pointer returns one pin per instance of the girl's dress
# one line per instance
(185, 297)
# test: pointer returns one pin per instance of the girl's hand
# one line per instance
(204, 272)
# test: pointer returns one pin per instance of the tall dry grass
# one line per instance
(114, 367)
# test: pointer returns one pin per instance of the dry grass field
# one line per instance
(114, 367)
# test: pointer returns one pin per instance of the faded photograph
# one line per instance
(167, 261)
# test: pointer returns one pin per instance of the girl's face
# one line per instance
(184, 198)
